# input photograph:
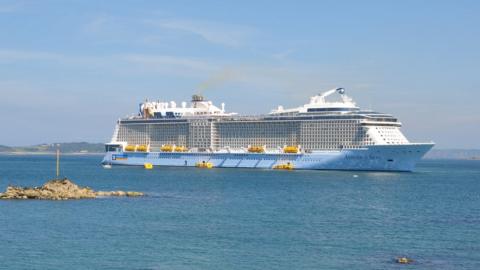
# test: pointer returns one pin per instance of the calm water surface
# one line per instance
(243, 219)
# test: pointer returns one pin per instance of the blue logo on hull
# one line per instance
(119, 157)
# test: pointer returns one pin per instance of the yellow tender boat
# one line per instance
(290, 149)
(256, 149)
(181, 149)
(166, 148)
(136, 148)
(204, 164)
(287, 166)
(130, 148)
(142, 148)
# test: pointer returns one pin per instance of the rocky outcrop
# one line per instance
(60, 190)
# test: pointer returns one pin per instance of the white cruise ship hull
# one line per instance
(401, 157)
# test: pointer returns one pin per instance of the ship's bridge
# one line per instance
(319, 103)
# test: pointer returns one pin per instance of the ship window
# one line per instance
(112, 148)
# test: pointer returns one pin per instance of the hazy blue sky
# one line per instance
(69, 69)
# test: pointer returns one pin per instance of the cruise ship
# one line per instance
(327, 133)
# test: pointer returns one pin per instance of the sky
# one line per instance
(70, 69)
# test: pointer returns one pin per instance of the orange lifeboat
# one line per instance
(290, 149)
(166, 148)
(256, 149)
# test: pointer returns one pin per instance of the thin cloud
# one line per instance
(9, 8)
(222, 34)
(166, 64)
(98, 24)
(291, 80)
(153, 62)
(109, 27)
(282, 55)
(10, 55)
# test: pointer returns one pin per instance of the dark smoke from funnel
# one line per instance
(217, 79)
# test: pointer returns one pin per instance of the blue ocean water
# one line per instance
(243, 218)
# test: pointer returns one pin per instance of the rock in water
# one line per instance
(403, 260)
(119, 193)
(60, 190)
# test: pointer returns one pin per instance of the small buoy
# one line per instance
(286, 166)
(355, 176)
(148, 166)
(403, 260)
(204, 164)
(107, 166)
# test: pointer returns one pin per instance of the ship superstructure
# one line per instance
(321, 134)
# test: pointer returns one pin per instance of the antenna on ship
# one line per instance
(58, 161)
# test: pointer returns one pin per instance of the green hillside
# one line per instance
(4, 148)
(75, 147)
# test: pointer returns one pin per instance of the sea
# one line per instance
(218, 218)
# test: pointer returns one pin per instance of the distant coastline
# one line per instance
(50, 153)
(85, 148)
(465, 154)
(71, 148)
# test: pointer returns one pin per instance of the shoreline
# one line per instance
(50, 153)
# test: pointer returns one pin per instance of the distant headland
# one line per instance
(473, 154)
(66, 148)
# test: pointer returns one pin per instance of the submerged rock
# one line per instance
(119, 193)
(403, 260)
(60, 190)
